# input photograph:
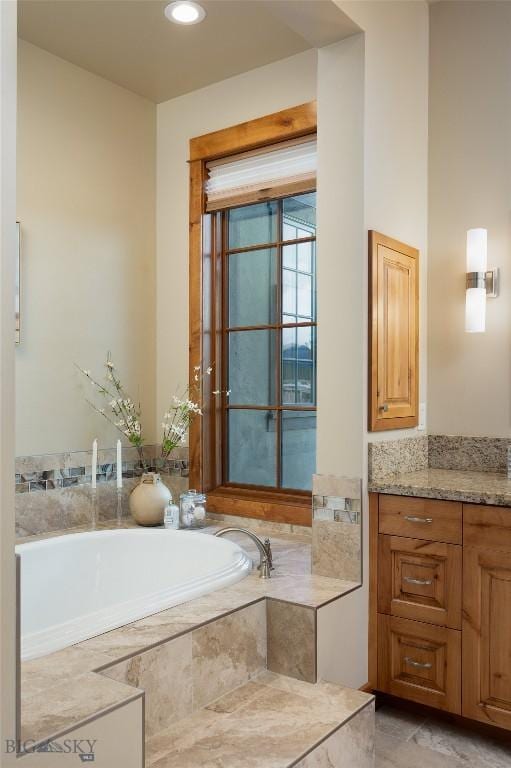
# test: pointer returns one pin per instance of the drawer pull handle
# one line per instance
(418, 664)
(414, 519)
(420, 582)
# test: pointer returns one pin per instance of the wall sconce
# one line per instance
(481, 282)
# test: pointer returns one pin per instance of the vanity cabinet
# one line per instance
(440, 605)
(487, 614)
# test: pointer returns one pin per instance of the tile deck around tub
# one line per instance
(60, 690)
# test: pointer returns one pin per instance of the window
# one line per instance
(269, 328)
(253, 314)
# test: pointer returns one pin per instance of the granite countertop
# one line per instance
(64, 688)
(453, 485)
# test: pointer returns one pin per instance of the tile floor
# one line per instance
(409, 740)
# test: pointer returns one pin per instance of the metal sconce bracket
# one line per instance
(488, 280)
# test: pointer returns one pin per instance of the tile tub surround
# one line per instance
(336, 527)
(272, 722)
(292, 640)
(40, 507)
(62, 672)
(47, 472)
(188, 673)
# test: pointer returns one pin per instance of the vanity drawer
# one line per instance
(420, 580)
(428, 519)
(420, 662)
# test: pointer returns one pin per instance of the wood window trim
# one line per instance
(271, 505)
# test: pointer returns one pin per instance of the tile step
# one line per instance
(272, 721)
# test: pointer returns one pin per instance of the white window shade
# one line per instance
(284, 169)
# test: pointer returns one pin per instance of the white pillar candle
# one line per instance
(94, 462)
(119, 464)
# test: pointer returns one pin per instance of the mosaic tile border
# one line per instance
(31, 477)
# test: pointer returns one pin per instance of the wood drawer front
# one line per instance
(420, 580)
(485, 526)
(428, 519)
(420, 662)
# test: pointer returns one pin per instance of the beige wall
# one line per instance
(395, 142)
(86, 202)
(244, 97)
(469, 186)
(7, 248)
(395, 202)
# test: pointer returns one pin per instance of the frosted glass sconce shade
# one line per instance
(480, 283)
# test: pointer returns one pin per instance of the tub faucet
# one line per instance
(265, 553)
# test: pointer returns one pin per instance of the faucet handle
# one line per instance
(269, 554)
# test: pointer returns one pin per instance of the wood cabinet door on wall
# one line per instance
(394, 333)
(487, 635)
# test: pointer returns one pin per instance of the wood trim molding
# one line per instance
(277, 508)
(279, 126)
(373, 592)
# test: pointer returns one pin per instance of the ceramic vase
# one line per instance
(148, 499)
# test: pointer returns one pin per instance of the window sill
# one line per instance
(274, 506)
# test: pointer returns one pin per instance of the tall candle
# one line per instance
(119, 464)
(94, 462)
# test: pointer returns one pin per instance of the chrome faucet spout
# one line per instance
(265, 554)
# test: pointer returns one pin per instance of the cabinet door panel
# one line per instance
(420, 662)
(487, 635)
(394, 333)
(420, 580)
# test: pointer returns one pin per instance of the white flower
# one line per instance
(216, 391)
(127, 432)
(110, 377)
(196, 368)
(209, 371)
(228, 393)
(166, 416)
(112, 403)
(110, 364)
(101, 410)
(196, 377)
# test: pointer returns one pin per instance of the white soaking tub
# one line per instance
(79, 585)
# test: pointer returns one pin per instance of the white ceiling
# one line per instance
(131, 42)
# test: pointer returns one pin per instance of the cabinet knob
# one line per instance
(384, 408)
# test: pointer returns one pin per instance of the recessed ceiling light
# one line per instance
(185, 12)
